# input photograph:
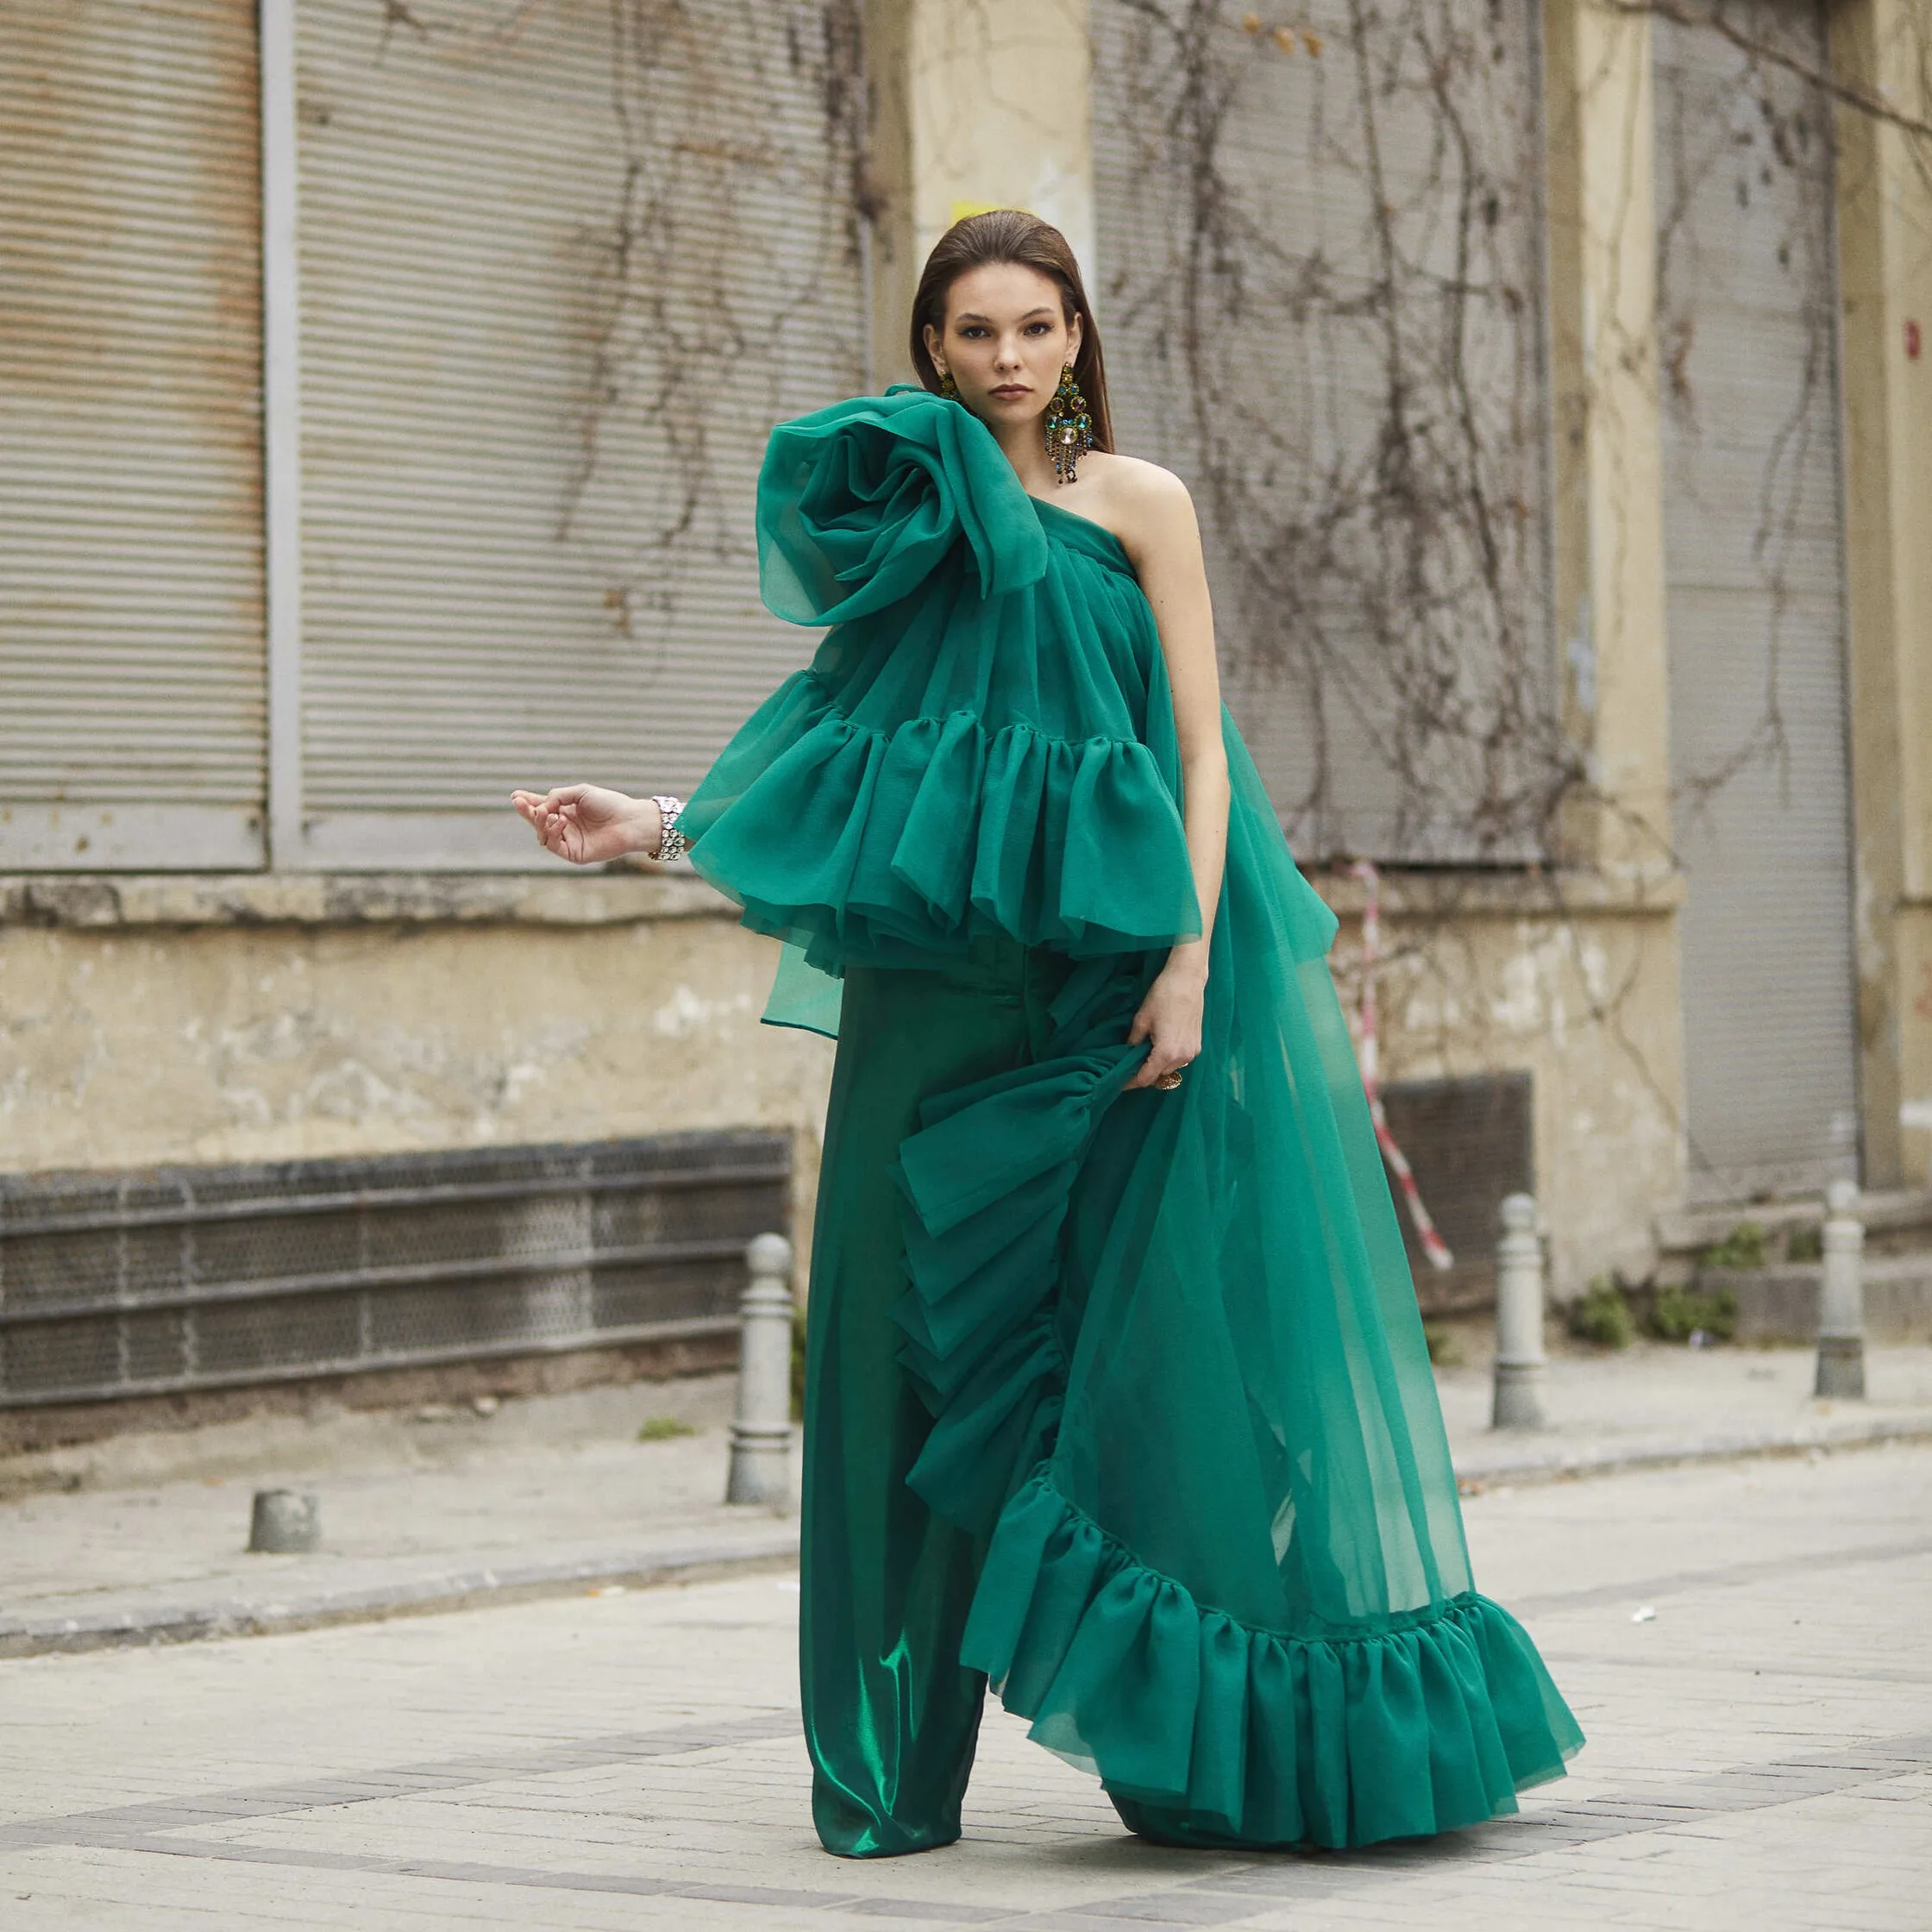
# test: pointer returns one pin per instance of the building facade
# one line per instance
(381, 393)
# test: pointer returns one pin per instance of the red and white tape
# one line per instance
(1366, 1030)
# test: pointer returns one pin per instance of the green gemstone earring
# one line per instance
(1069, 427)
(948, 387)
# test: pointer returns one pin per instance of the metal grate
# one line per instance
(179, 1278)
(1471, 1142)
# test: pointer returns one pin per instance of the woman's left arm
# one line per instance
(1157, 523)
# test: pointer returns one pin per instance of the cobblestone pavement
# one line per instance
(1760, 1756)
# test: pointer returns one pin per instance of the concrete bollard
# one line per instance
(285, 1522)
(762, 1431)
(1519, 1318)
(1841, 1304)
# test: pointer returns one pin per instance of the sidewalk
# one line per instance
(1740, 1642)
(1655, 1405)
(446, 1509)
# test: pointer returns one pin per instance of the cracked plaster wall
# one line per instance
(135, 1047)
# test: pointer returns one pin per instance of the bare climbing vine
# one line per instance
(1742, 25)
(1325, 257)
(1323, 285)
(1325, 263)
(726, 225)
(719, 288)
(1322, 282)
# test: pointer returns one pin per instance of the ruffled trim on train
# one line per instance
(1199, 1726)
(986, 1181)
(855, 841)
(1245, 1734)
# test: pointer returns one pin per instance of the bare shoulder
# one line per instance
(1147, 508)
(1133, 483)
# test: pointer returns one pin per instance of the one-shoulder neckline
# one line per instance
(1099, 529)
(1111, 549)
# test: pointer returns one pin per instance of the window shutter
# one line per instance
(559, 277)
(1754, 585)
(131, 658)
(1338, 344)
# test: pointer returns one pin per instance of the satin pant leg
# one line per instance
(891, 1717)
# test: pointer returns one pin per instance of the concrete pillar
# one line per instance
(1608, 581)
(1608, 497)
(972, 107)
(1880, 50)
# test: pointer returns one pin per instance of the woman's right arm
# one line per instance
(590, 825)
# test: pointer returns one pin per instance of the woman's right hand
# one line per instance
(589, 824)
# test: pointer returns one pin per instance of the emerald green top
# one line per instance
(985, 740)
(1169, 1342)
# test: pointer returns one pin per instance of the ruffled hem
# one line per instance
(886, 846)
(1207, 1729)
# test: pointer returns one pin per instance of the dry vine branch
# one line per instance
(1719, 20)
(1349, 420)
(395, 14)
(1336, 337)
(1363, 398)
(714, 264)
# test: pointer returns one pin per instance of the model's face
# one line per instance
(1005, 340)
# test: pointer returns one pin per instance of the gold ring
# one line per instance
(1170, 1080)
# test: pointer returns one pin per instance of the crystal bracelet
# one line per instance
(671, 844)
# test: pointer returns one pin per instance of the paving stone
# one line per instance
(1760, 1757)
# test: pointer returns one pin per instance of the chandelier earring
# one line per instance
(1069, 427)
(948, 387)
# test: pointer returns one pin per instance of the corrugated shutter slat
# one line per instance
(131, 674)
(1253, 346)
(509, 578)
(1754, 585)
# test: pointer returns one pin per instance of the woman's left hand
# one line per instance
(1170, 1018)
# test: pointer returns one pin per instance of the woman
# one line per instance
(1115, 1391)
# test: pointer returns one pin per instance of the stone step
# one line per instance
(1904, 1213)
(1781, 1304)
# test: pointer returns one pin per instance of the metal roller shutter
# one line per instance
(1320, 284)
(1754, 565)
(131, 673)
(562, 267)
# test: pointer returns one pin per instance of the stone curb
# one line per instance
(1487, 1468)
(178, 1616)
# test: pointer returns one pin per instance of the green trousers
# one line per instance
(891, 1717)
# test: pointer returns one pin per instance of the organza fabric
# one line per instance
(1167, 1343)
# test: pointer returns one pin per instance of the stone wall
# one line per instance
(188, 1019)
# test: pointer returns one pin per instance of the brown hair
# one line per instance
(1011, 235)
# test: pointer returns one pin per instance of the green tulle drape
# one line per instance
(1168, 1343)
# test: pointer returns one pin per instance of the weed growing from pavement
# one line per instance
(663, 1428)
